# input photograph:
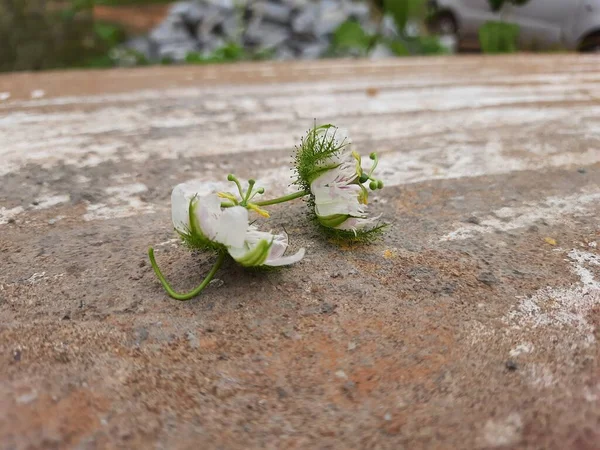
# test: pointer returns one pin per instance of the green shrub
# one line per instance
(498, 37)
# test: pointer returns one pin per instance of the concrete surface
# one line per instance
(473, 324)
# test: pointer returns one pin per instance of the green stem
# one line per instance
(193, 292)
(285, 198)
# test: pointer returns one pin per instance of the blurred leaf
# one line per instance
(431, 45)
(109, 34)
(498, 37)
(496, 5)
(351, 35)
(398, 48)
(404, 10)
(229, 53)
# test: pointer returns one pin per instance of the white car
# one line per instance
(543, 24)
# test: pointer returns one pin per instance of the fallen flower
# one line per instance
(333, 174)
(204, 223)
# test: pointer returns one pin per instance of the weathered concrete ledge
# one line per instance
(473, 324)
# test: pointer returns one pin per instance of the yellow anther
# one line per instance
(363, 196)
(258, 210)
(357, 157)
(228, 196)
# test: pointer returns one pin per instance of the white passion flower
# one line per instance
(334, 176)
(204, 224)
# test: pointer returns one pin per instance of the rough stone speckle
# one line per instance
(389, 346)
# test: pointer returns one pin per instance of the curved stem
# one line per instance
(195, 291)
(285, 198)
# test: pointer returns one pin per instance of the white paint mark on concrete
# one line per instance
(523, 348)
(53, 200)
(503, 432)
(4, 96)
(591, 394)
(23, 399)
(38, 93)
(264, 104)
(172, 242)
(7, 214)
(123, 201)
(563, 308)
(341, 374)
(82, 179)
(41, 203)
(539, 376)
(586, 275)
(552, 210)
(36, 278)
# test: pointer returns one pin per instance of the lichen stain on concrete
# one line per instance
(562, 307)
(503, 432)
(8, 214)
(552, 210)
(43, 202)
(122, 202)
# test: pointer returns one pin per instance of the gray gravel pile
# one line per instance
(287, 29)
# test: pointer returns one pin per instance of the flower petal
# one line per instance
(356, 223)
(232, 226)
(286, 260)
(338, 200)
(208, 213)
(280, 243)
(180, 204)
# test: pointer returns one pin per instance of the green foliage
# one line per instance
(404, 10)
(351, 36)
(109, 34)
(230, 52)
(498, 37)
(399, 48)
(427, 45)
(496, 5)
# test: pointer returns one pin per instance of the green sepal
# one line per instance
(257, 256)
(316, 148)
(333, 221)
(193, 237)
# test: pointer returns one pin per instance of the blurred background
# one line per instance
(49, 34)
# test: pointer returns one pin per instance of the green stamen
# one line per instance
(251, 184)
(375, 159)
(232, 177)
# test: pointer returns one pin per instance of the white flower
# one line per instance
(339, 196)
(202, 223)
